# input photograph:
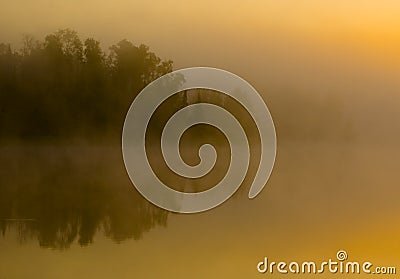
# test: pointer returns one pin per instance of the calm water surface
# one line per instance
(70, 211)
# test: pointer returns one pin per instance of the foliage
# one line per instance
(64, 87)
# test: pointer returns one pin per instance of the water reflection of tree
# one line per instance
(71, 193)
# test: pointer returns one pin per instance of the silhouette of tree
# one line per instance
(64, 87)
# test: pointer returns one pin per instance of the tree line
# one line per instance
(64, 86)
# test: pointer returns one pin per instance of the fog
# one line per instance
(328, 71)
(306, 54)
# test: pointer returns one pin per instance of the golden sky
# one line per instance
(179, 29)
